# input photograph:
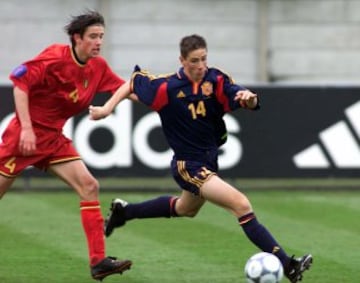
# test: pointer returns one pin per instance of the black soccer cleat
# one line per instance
(116, 216)
(296, 267)
(109, 265)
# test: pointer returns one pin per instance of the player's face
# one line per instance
(195, 64)
(89, 44)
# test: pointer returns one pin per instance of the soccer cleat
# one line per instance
(116, 216)
(109, 265)
(297, 266)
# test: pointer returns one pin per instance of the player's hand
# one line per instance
(246, 98)
(97, 112)
(27, 142)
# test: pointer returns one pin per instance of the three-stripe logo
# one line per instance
(339, 145)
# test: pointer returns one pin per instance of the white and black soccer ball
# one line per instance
(263, 268)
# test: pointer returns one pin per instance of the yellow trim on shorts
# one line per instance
(193, 180)
(64, 160)
(2, 173)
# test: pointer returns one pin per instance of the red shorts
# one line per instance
(52, 147)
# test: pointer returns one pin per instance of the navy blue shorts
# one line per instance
(191, 175)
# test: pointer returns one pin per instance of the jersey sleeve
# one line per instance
(28, 75)
(32, 73)
(109, 82)
(151, 90)
(226, 91)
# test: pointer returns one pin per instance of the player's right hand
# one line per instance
(97, 112)
(246, 98)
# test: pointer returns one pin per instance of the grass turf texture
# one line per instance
(42, 239)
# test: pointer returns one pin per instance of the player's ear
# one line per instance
(76, 37)
(181, 59)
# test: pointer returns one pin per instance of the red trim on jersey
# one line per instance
(221, 97)
(161, 98)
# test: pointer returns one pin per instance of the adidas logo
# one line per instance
(181, 94)
(339, 145)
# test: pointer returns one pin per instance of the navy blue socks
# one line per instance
(163, 206)
(261, 237)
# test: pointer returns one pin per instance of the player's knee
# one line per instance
(190, 213)
(186, 208)
(90, 188)
(242, 206)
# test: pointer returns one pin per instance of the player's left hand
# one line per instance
(246, 98)
(97, 112)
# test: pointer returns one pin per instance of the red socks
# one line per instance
(93, 225)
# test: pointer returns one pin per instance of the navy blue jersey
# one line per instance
(191, 113)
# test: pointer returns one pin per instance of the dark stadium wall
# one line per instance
(298, 132)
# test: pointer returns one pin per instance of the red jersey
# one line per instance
(60, 87)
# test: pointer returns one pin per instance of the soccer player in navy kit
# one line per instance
(191, 104)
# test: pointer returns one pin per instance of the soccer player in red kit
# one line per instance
(48, 90)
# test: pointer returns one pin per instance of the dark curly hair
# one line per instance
(80, 23)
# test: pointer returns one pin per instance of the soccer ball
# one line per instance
(263, 268)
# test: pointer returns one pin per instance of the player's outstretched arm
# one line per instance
(100, 112)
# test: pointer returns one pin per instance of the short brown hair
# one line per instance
(190, 43)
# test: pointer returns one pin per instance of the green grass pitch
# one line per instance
(42, 240)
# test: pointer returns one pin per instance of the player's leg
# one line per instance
(11, 167)
(121, 211)
(223, 194)
(164, 206)
(5, 183)
(77, 176)
(10, 164)
(188, 204)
